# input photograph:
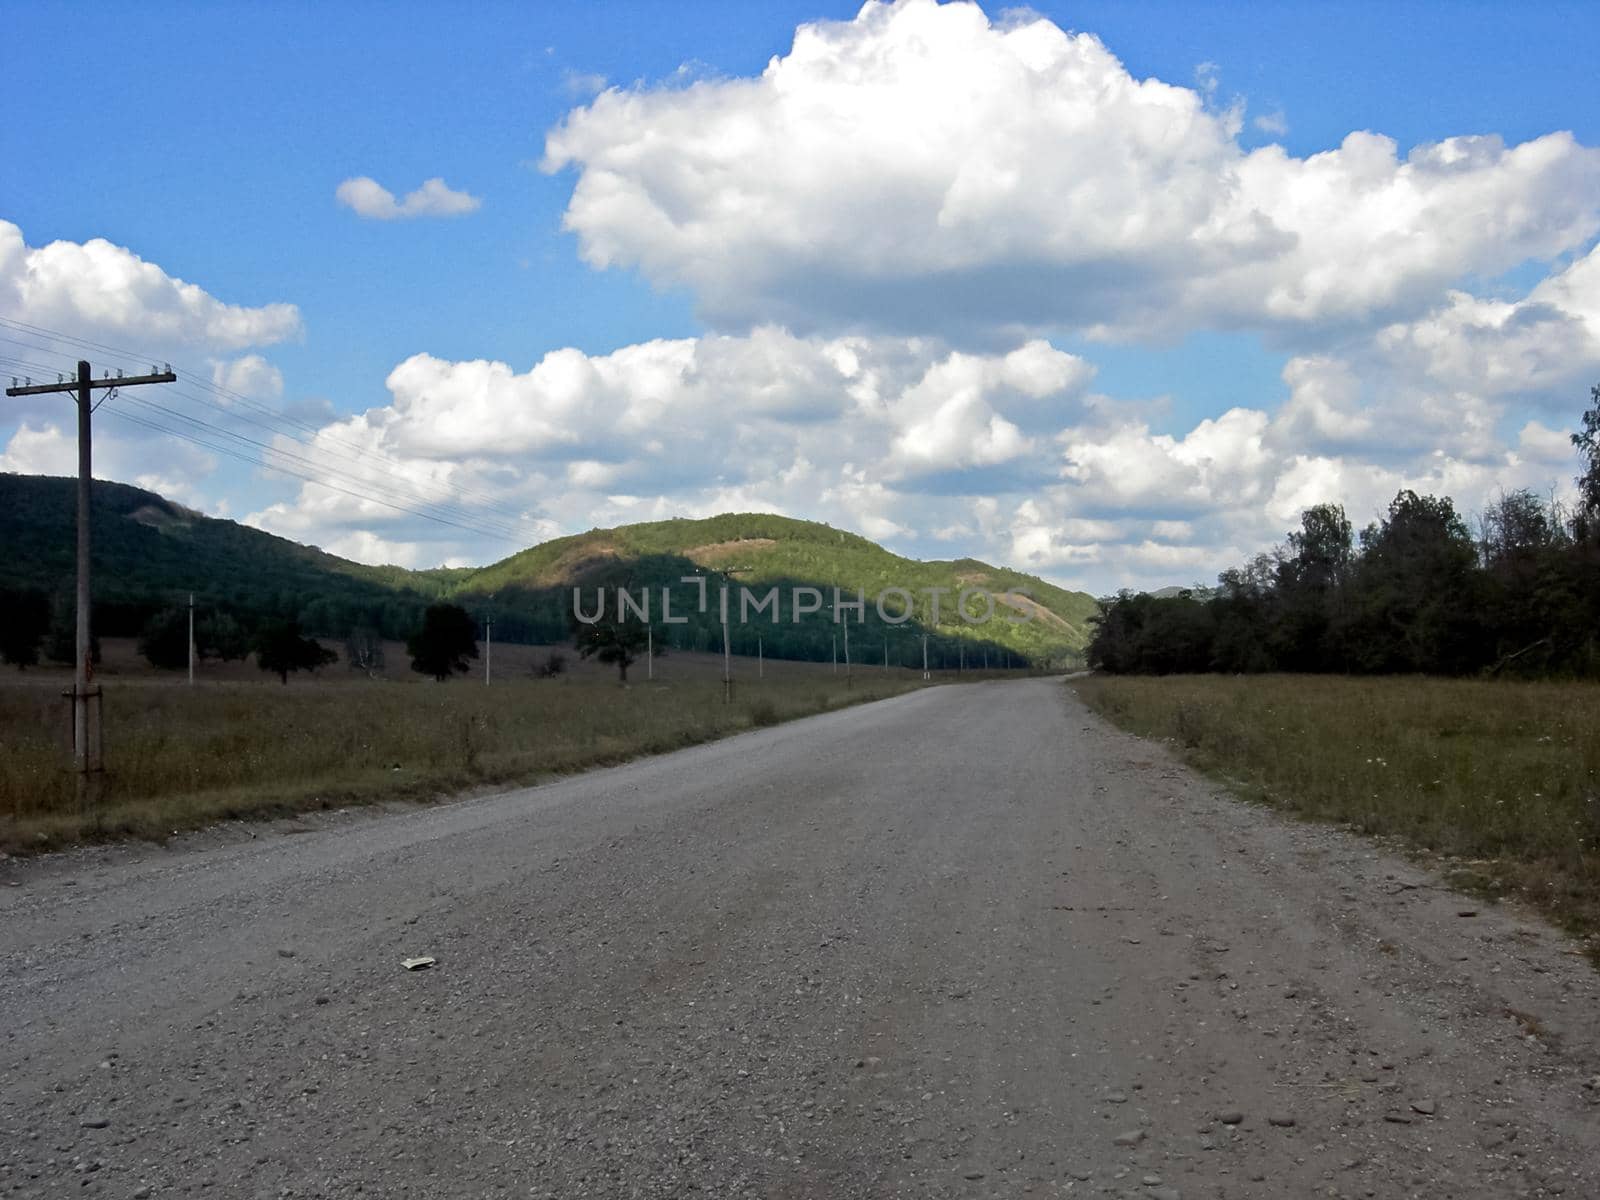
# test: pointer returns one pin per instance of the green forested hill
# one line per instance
(760, 551)
(150, 552)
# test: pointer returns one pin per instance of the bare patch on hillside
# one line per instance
(157, 517)
(1032, 609)
(715, 554)
(576, 562)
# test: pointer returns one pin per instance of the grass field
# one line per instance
(1501, 778)
(239, 744)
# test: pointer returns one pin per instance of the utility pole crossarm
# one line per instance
(72, 385)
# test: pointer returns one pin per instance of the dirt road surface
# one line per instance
(968, 942)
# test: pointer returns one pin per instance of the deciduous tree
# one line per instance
(611, 640)
(447, 639)
(280, 649)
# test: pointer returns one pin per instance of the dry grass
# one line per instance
(246, 746)
(1503, 778)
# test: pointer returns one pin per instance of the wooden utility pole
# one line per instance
(191, 639)
(727, 666)
(836, 654)
(925, 656)
(649, 651)
(86, 745)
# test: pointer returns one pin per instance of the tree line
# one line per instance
(1416, 591)
(33, 630)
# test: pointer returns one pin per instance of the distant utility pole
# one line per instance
(86, 745)
(847, 654)
(191, 639)
(649, 651)
(761, 661)
(886, 655)
(836, 654)
(727, 665)
(925, 656)
(488, 638)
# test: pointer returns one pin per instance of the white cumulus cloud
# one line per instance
(924, 169)
(250, 375)
(370, 199)
(104, 292)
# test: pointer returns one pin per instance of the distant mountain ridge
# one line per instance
(151, 552)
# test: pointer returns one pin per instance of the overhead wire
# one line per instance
(124, 415)
(279, 455)
(488, 517)
(199, 378)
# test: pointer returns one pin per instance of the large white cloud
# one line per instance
(104, 292)
(924, 169)
(1460, 401)
(1456, 380)
(849, 428)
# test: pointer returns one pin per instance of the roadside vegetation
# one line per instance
(1500, 778)
(181, 757)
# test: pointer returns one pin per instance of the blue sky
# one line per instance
(211, 144)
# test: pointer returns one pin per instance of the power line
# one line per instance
(231, 453)
(271, 454)
(356, 459)
(198, 378)
(395, 498)
(498, 520)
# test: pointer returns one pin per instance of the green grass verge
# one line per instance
(180, 758)
(1500, 779)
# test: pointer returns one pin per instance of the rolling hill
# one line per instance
(151, 552)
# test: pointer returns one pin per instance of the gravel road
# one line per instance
(967, 942)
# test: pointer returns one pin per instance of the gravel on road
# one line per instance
(967, 942)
